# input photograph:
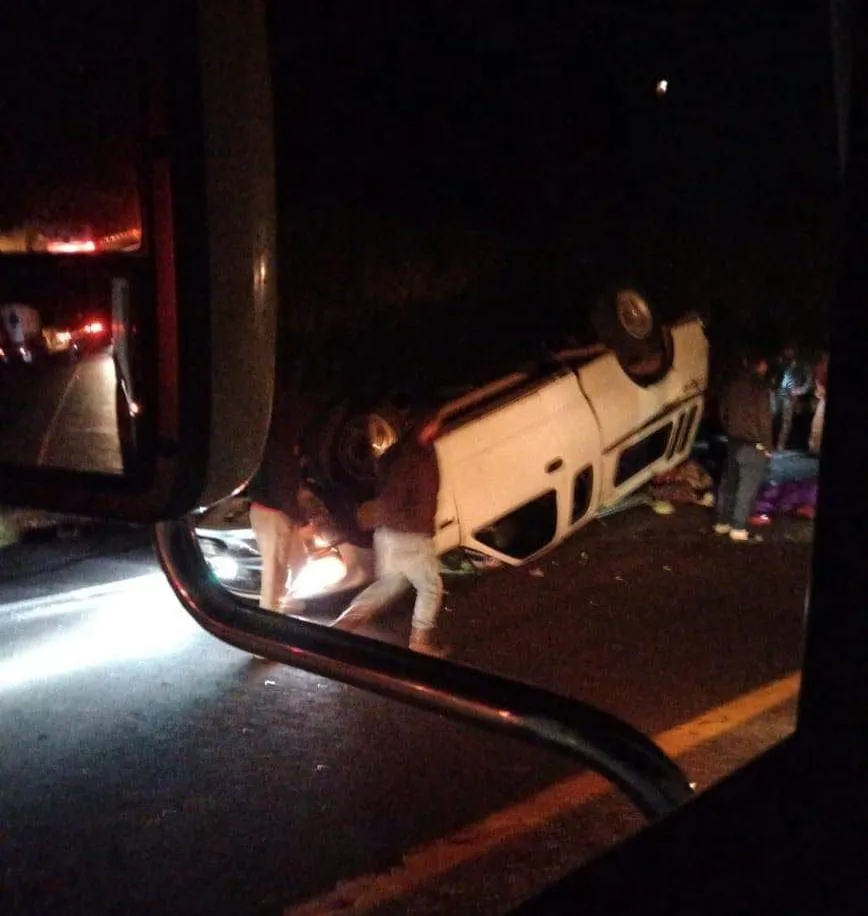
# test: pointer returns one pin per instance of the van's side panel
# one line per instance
(623, 407)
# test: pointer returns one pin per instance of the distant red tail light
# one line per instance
(83, 246)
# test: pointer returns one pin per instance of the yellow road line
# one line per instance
(366, 892)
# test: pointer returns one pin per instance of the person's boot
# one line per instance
(427, 642)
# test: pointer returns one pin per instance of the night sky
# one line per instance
(533, 133)
(483, 106)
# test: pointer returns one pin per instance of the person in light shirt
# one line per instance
(792, 381)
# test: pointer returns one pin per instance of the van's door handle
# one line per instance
(554, 465)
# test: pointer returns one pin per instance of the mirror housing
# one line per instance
(204, 280)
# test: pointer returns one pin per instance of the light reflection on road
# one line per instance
(127, 621)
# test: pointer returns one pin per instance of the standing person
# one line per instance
(821, 372)
(275, 515)
(746, 414)
(404, 519)
(793, 380)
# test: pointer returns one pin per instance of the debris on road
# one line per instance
(628, 502)
(792, 497)
(662, 507)
(688, 483)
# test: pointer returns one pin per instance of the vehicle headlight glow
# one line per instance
(318, 575)
(224, 568)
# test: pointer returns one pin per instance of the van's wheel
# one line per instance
(343, 449)
(625, 321)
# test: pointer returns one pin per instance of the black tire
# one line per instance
(339, 449)
(625, 321)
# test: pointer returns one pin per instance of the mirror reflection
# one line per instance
(66, 372)
(69, 200)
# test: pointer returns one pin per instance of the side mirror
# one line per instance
(137, 263)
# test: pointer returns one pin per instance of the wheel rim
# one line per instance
(634, 314)
(364, 439)
(382, 435)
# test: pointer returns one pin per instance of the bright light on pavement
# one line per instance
(127, 621)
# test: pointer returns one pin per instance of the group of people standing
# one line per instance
(749, 406)
(402, 516)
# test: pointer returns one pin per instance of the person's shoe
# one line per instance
(743, 536)
(426, 642)
(759, 519)
(722, 528)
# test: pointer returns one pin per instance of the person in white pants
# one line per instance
(283, 556)
(405, 513)
(275, 514)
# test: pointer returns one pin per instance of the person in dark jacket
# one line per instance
(404, 523)
(746, 415)
(275, 515)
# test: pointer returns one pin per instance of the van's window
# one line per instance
(582, 491)
(635, 458)
(522, 533)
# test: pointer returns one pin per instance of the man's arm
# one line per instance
(805, 387)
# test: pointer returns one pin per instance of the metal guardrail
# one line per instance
(590, 736)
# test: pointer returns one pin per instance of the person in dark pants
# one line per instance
(746, 415)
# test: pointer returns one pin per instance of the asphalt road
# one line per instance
(148, 768)
(59, 413)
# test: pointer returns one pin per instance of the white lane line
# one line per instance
(49, 432)
(422, 866)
